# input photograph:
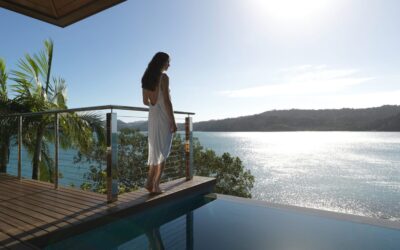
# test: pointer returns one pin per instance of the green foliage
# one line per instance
(96, 158)
(8, 126)
(36, 90)
(5, 128)
(232, 178)
(132, 160)
(3, 81)
(33, 88)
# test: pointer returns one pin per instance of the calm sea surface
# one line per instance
(350, 172)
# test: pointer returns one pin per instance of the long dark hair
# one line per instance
(152, 75)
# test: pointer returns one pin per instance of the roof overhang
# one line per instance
(58, 12)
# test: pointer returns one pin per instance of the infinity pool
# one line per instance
(229, 223)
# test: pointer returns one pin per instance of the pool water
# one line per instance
(222, 223)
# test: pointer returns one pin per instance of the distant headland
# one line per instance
(384, 118)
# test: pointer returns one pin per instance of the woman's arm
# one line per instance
(149, 97)
(146, 99)
(167, 102)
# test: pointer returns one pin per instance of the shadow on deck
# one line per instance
(32, 212)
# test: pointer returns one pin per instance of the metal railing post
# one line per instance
(56, 145)
(112, 157)
(20, 147)
(189, 147)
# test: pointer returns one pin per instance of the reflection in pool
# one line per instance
(226, 223)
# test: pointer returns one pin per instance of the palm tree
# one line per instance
(4, 128)
(8, 128)
(36, 89)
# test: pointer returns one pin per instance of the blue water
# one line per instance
(349, 172)
(227, 224)
(72, 175)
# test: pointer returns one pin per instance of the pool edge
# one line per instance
(316, 212)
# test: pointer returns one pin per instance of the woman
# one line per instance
(155, 85)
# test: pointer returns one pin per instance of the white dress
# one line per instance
(159, 132)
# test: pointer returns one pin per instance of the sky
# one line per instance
(229, 58)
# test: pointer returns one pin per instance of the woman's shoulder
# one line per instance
(164, 76)
(164, 80)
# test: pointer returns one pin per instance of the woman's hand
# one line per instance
(173, 127)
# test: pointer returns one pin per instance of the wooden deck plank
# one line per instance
(5, 196)
(44, 216)
(57, 203)
(31, 211)
(27, 224)
(12, 192)
(46, 186)
(26, 188)
(56, 195)
(14, 227)
(88, 194)
(67, 207)
(43, 205)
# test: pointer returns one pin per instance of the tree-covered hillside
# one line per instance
(384, 118)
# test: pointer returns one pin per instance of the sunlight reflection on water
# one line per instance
(349, 172)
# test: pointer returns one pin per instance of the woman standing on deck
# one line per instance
(155, 85)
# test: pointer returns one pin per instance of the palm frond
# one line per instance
(22, 87)
(83, 130)
(3, 80)
(59, 94)
(27, 79)
(35, 70)
(49, 45)
(24, 71)
(95, 121)
(41, 61)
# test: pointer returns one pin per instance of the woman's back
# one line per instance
(160, 100)
(160, 136)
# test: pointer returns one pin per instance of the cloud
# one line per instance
(304, 80)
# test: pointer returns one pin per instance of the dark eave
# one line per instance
(58, 12)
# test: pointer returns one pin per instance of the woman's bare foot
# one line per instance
(149, 188)
(157, 190)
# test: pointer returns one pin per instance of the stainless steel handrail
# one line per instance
(112, 135)
(92, 108)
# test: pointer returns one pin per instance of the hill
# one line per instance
(384, 118)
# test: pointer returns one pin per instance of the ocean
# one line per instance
(348, 172)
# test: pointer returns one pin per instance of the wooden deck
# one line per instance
(32, 212)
